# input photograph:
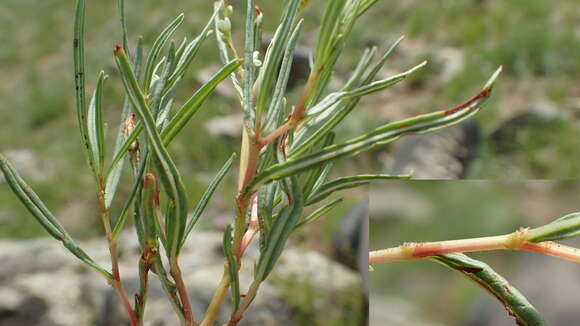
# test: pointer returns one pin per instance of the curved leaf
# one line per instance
(513, 300)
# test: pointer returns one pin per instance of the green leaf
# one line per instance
(319, 174)
(318, 213)
(95, 125)
(79, 70)
(223, 37)
(266, 197)
(185, 113)
(275, 111)
(129, 202)
(207, 195)
(121, 8)
(232, 268)
(565, 227)
(280, 232)
(194, 103)
(248, 82)
(364, 6)
(324, 115)
(42, 214)
(482, 274)
(361, 68)
(278, 48)
(349, 182)
(373, 87)
(380, 64)
(380, 136)
(156, 50)
(328, 30)
(168, 171)
(115, 170)
(189, 53)
(158, 85)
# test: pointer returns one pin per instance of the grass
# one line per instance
(36, 52)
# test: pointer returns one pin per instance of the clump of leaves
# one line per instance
(286, 153)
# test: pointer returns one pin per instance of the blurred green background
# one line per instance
(423, 293)
(537, 41)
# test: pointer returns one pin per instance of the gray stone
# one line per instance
(42, 284)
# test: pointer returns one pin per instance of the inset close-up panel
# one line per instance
(422, 279)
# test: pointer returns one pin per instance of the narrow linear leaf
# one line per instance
(156, 50)
(113, 175)
(130, 200)
(266, 197)
(42, 214)
(168, 171)
(326, 115)
(513, 300)
(191, 51)
(156, 91)
(329, 25)
(283, 38)
(280, 232)
(79, 71)
(363, 90)
(276, 109)
(317, 174)
(318, 213)
(381, 63)
(185, 113)
(380, 136)
(349, 182)
(248, 82)
(565, 227)
(362, 66)
(194, 103)
(207, 195)
(124, 34)
(232, 267)
(95, 125)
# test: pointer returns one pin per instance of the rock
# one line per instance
(42, 284)
(229, 126)
(444, 154)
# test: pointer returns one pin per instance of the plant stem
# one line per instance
(239, 314)
(513, 241)
(113, 251)
(187, 311)
(216, 302)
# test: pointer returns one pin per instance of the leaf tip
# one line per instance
(118, 49)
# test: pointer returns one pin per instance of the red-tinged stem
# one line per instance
(253, 228)
(513, 241)
(553, 249)
(181, 289)
(283, 129)
(113, 251)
